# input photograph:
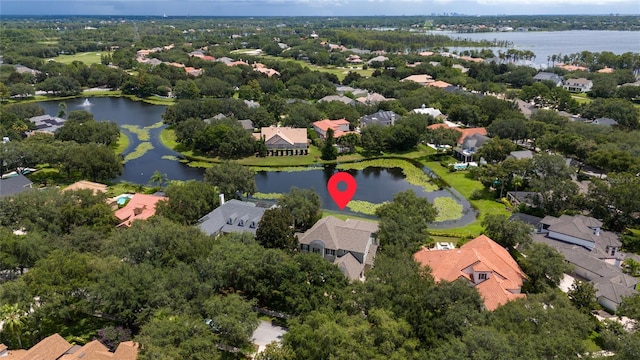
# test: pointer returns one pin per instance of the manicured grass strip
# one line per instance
(343, 216)
(168, 139)
(122, 144)
(447, 239)
(466, 187)
(363, 207)
(88, 58)
(414, 175)
(286, 169)
(448, 208)
(139, 151)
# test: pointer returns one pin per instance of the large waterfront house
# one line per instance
(138, 207)
(481, 263)
(284, 140)
(382, 118)
(351, 244)
(233, 216)
(340, 127)
(594, 254)
(46, 123)
(578, 85)
(547, 76)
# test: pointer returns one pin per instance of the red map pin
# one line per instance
(342, 198)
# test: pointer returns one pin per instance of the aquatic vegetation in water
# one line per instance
(364, 207)
(448, 208)
(413, 175)
(142, 132)
(139, 151)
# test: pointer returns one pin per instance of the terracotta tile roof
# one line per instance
(127, 350)
(238, 62)
(84, 184)
(325, 124)
(93, 350)
(55, 347)
(140, 207)
(420, 79)
(606, 70)
(569, 67)
(288, 134)
(439, 84)
(50, 348)
(478, 255)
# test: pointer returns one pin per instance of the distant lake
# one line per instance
(547, 43)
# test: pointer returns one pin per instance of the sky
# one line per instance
(315, 7)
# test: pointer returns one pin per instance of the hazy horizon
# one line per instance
(316, 7)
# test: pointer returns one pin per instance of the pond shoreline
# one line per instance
(376, 183)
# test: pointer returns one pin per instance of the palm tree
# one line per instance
(12, 318)
(158, 178)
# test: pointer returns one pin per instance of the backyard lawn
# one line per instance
(87, 57)
(340, 72)
(466, 187)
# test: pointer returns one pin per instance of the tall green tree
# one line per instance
(11, 316)
(404, 222)
(329, 151)
(232, 318)
(304, 205)
(508, 233)
(495, 150)
(175, 336)
(275, 230)
(232, 179)
(544, 266)
(188, 201)
(583, 296)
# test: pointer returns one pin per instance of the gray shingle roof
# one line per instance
(526, 218)
(521, 154)
(232, 216)
(47, 123)
(246, 124)
(350, 235)
(610, 282)
(542, 76)
(344, 99)
(582, 227)
(350, 266)
(382, 117)
(14, 185)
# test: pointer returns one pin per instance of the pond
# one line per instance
(375, 185)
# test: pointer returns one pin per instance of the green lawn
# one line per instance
(123, 143)
(343, 216)
(581, 98)
(88, 58)
(447, 239)
(466, 187)
(339, 72)
(168, 139)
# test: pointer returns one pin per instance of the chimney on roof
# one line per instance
(221, 199)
